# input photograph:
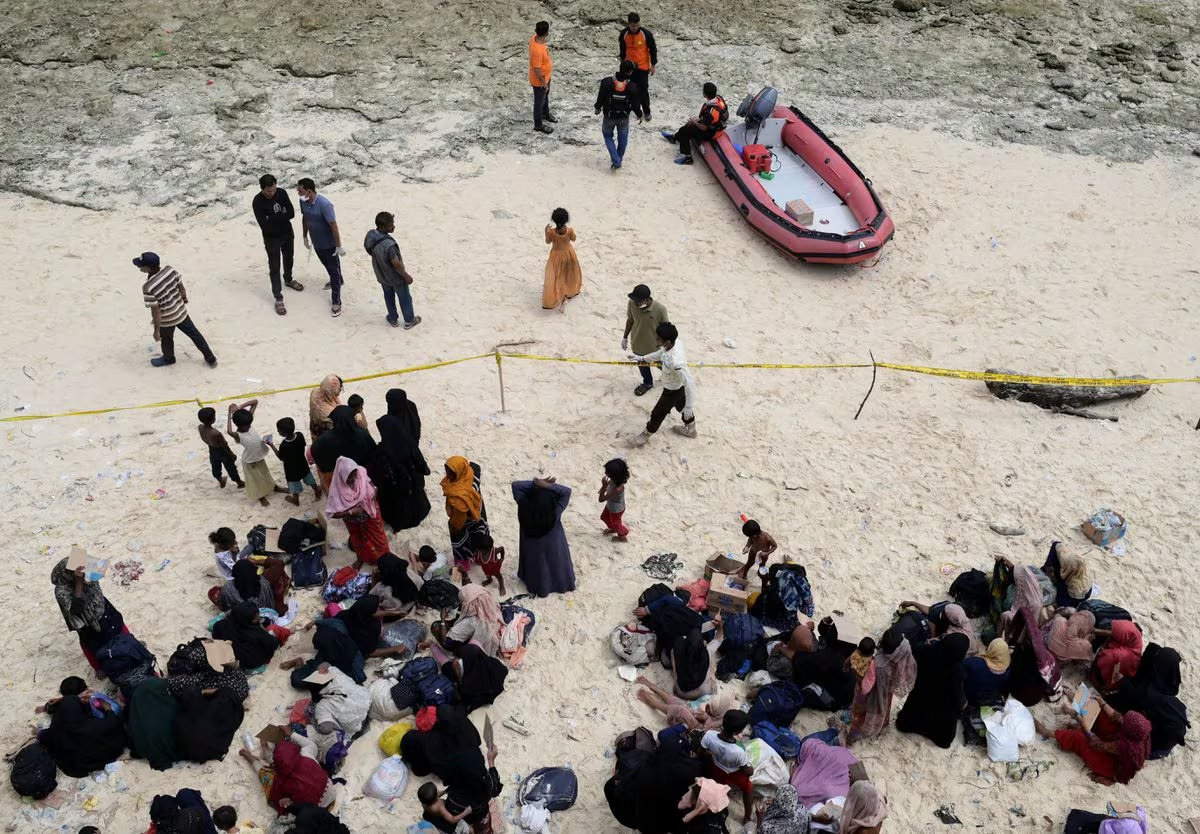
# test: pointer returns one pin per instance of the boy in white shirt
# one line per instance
(679, 390)
(728, 763)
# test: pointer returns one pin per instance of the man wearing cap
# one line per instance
(642, 318)
(166, 297)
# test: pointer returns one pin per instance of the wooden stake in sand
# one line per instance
(500, 367)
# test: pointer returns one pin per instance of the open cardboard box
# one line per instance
(721, 563)
(728, 593)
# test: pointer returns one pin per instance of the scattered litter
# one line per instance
(1118, 549)
(518, 728)
(127, 571)
(663, 566)
(1104, 527)
(729, 343)
(28, 371)
(1027, 769)
(948, 569)
(1019, 810)
(628, 673)
(1004, 530)
(134, 545)
(995, 242)
(162, 564)
(158, 53)
(946, 815)
(23, 407)
(158, 493)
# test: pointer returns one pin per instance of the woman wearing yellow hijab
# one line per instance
(464, 509)
(323, 400)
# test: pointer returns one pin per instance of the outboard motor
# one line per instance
(757, 108)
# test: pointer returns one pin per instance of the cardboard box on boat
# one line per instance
(721, 563)
(799, 211)
(728, 593)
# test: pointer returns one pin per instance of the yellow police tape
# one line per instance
(946, 373)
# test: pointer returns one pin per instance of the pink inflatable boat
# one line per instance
(815, 205)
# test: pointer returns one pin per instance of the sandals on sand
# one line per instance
(642, 389)
(295, 285)
(280, 307)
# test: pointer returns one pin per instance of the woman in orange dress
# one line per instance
(563, 279)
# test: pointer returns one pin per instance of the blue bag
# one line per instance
(778, 703)
(555, 787)
(742, 629)
(308, 568)
(781, 739)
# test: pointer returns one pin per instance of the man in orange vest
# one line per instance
(540, 67)
(714, 114)
(637, 45)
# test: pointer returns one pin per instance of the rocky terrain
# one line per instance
(184, 104)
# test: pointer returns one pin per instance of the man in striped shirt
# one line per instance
(166, 297)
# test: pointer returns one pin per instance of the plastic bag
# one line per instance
(388, 781)
(1019, 719)
(389, 742)
(1001, 740)
(770, 772)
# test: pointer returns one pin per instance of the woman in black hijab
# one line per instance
(449, 749)
(690, 663)
(253, 645)
(395, 588)
(205, 724)
(362, 625)
(346, 439)
(79, 741)
(246, 586)
(479, 677)
(398, 469)
(334, 646)
(1154, 692)
(936, 702)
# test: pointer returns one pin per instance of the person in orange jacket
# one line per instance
(714, 115)
(540, 67)
(637, 45)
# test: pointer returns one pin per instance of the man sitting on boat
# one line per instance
(714, 114)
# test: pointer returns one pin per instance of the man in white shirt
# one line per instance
(679, 391)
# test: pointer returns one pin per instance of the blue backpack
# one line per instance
(556, 787)
(742, 630)
(781, 739)
(432, 687)
(126, 662)
(308, 567)
(778, 703)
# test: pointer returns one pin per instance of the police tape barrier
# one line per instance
(945, 373)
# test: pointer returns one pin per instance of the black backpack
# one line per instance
(914, 625)
(126, 662)
(970, 590)
(257, 539)
(34, 773)
(619, 105)
(185, 660)
(439, 595)
(297, 535)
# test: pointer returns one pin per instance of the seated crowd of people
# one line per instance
(1016, 634)
(431, 673)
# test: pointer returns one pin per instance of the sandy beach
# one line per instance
(1039, 161)
(1005, 256)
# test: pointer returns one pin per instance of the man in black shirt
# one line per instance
(618, 96)
(273, 211)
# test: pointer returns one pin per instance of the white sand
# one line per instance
(1088, 275)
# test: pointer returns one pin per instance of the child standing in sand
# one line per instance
(490, 558)
(219, 453)
(612, 496)
(563, 278)
(259, 482)
(296, 470)
(759, 545)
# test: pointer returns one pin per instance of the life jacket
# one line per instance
(715, 114)
(636, 48)
(618, 106)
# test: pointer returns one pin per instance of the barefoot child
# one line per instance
(728, 763)
(296, 470)
(612, 495)
(429, 564)
(259, 482)
(219, 453)
(759, 545)
(490, 558)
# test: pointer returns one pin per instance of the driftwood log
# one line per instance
(1064, 399)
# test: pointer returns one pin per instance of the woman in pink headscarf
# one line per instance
(1069, 638)
(893, 671)
(352, 499)
(822, 772)
(1024, 621)
(865, 810)
(480, 621)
